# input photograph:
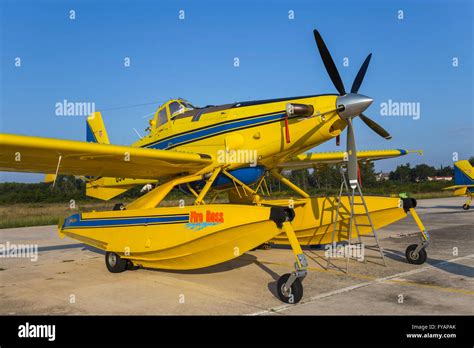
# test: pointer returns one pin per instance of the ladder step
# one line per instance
(356, 192)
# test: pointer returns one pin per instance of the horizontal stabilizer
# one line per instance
(49, 178)
(108, 188)
(455, 187)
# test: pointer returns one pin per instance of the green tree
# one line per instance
(421, 172)
(401, 173)
(327, 176)
(444, 171)
(367, 174)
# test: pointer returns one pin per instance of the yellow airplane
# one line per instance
(204, 151)
(463, 182)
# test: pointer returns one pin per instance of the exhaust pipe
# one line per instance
(303, 110)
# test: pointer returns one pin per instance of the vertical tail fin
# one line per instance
(95, 129)
(463, 173)
(101, 187)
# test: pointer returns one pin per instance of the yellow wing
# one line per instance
(20, 153)
(313, 159)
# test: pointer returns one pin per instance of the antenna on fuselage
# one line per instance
(145, 116)
(139, 135)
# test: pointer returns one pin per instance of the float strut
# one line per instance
(425, 238)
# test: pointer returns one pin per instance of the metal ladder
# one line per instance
(351, 194)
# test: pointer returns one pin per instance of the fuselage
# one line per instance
(247, 133)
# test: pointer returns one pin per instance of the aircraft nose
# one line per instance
(352, 104)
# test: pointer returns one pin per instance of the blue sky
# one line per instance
(82, 60)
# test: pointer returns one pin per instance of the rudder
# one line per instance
(95, 129)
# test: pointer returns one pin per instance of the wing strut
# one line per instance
(57, 171)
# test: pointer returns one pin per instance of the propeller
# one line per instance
(329, 63)
(350, 105)
(375, 127)
(361, 74)
(352, 154)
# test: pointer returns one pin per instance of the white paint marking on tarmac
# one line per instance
(361, 285)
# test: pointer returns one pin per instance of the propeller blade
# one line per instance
(352, 154)
(329, 63)
(375, 127)
(360, 75)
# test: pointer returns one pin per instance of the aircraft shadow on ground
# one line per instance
(60, 247)
(239, 262)
(451, 207)
(247, 259)
(444, 265)
(70, 246)
(450, 212)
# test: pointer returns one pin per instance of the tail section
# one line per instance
(463, 173)
(108, 188)
(49, 178)
(101, 187)
(95, 129)
(463, 179)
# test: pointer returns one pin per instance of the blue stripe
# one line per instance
(402, 152)
(74, 221)
(90, 136)
(178, 139)
(461, 178)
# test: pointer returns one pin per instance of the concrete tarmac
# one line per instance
(71, 278)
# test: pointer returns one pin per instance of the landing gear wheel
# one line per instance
(466, 206)
(294, 294)
(114, 263)
(415, 259)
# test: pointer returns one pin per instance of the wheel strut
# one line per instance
(290, 287)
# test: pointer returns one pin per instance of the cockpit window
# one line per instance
(176, 108)
(162, 117)
(188, 106)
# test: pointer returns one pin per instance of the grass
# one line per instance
(41, 214)
(427, 195)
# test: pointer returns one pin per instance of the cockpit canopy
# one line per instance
(170, 110)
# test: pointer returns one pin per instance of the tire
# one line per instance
(415, 259)
(296, 292)
(114, 263)
(466, 206)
